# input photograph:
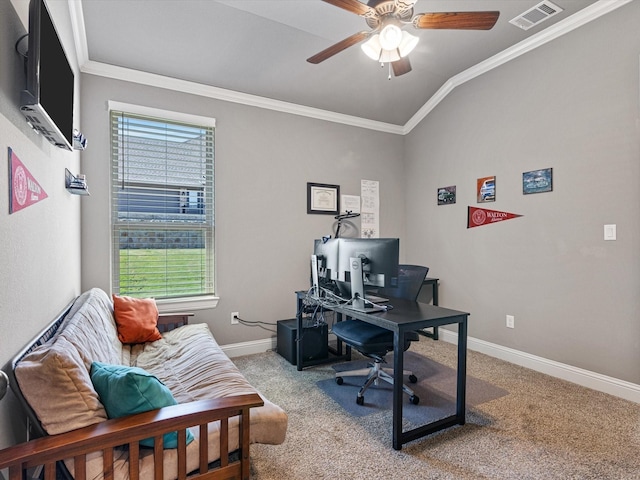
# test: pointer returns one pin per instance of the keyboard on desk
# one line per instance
(374, 298)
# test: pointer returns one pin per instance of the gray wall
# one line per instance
(571, 105)
(40, 254)
(264, 160)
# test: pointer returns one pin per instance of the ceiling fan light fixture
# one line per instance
(407, 44)
(389, 56)
(375, 50)
(372, 47)
(390, 37)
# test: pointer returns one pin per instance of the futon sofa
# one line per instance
(78, 372)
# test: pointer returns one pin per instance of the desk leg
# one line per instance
(398, 367)
(338, 318)
(462, 372)
(400, 437)
(433, 283)
(298, 345)
(436, 303)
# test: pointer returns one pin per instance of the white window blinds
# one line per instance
(162, 179)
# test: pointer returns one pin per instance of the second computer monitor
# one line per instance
(380, 260)
(326, 252)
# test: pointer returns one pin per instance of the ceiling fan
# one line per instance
(388, 41)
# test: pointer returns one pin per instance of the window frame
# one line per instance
(174, 304)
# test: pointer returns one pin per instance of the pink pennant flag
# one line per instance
(24, 190)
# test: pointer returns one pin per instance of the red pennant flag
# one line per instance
(24, 190)
(477, 217)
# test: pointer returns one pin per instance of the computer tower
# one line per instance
(315, 341)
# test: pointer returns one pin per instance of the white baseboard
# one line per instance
(249, 348)
(603, 383)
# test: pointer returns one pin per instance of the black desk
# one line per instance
(337, 354)
(407, 316)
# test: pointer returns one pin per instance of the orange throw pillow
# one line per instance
(136, 319)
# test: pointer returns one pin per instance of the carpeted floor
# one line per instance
(532, 427)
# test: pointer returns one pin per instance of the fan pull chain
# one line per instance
(382, 66)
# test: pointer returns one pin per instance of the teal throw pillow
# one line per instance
(128, 390)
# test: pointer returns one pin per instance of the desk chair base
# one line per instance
(375, 373)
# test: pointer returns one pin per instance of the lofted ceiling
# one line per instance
(260, 47)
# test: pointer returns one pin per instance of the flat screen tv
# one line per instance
(47, 103)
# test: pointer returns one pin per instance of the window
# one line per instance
(162, 204)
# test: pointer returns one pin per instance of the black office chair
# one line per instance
(375, 342)
(410, 278)
(409, 286)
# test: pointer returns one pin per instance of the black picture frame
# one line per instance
(323, 198)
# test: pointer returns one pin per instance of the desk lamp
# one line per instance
(344, 216)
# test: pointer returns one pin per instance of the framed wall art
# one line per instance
(537, 181)
(323, 198)
(447, 195)
(486, 189)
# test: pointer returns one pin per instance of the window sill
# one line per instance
(187, 304)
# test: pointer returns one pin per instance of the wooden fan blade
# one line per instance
(457, 20)
(402, 66)
(353, 6)
(338, 47)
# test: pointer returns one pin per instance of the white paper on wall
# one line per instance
(370, 209)
(350, 203)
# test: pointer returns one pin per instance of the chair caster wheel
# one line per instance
(414, 399)
(413, 378)
(339, 380)
(360, 400)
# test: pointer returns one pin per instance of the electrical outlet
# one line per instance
(234, 318)
(610, 232)
(510, 321)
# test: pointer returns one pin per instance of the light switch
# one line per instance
(609, 232)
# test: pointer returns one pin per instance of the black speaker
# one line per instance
(315, 341)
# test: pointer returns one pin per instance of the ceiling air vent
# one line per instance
(535, 15)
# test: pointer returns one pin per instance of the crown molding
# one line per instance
(588, 14)
(79, 32)
(136, 76)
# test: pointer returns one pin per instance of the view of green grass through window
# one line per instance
(160, 273)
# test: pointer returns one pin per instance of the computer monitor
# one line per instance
(325, 261)
(369, 262)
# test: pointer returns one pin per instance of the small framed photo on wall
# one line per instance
(447, 195)
(486, 189)
(537, 181)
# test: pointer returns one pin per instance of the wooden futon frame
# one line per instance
(126, 432)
